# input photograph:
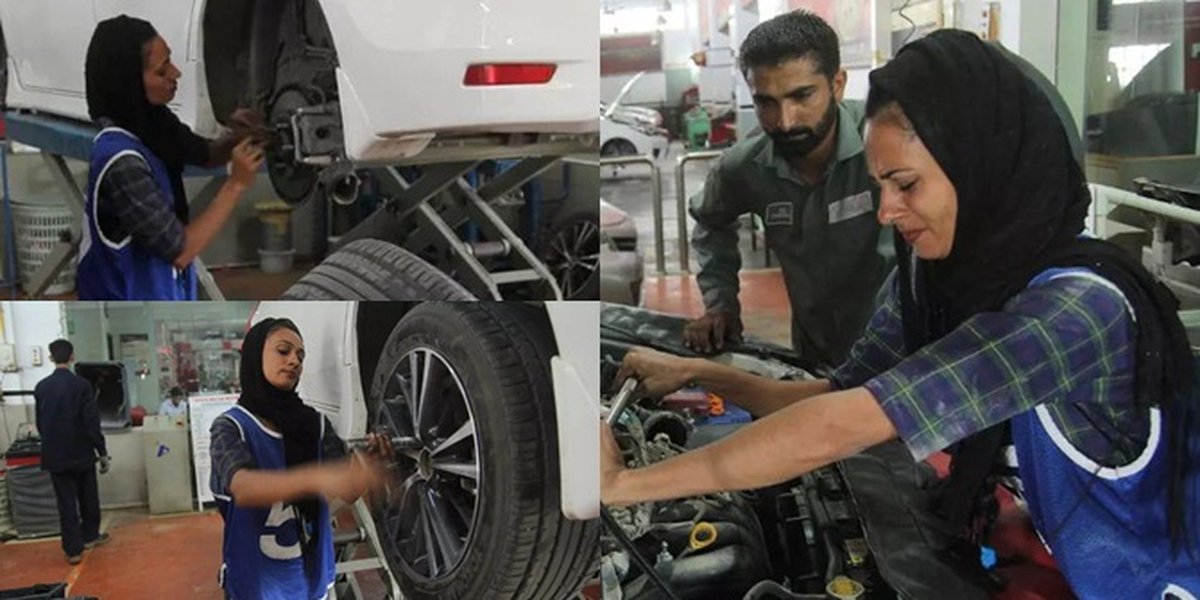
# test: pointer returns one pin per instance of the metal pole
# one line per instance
(1158, 207)
(660, 260)
(622, 399)
(681, 201)
(11, 275)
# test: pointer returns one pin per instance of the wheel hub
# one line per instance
(292, 180)
(428, 523)
(425, 464)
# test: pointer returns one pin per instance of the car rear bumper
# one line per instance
(402, 67)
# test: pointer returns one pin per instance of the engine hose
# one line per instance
(770, 590)
(642, 563)
(825, 522)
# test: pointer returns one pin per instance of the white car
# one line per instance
(499, 396)
(622, 139)
(621, 268)
(635, 115)
(631, 131)
(362, 82)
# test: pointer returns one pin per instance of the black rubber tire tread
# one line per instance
(376, 270)
(591, 286)
(523, 548)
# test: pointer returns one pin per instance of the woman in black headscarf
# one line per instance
(1002, 328)
(139, 243)
(275, 462)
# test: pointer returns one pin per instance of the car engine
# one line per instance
(860, 528)
(795, 540)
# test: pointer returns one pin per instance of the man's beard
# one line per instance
(799, 142)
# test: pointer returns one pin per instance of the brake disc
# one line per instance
(292, 180)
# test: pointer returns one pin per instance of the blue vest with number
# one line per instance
(262, 549)
(1107, 527)
(120, 269)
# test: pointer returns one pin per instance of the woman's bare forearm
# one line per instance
(205, 227)
(759, 395)
(255, 487)
(794, 440)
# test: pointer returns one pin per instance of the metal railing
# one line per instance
(660, 259)
(681, 199)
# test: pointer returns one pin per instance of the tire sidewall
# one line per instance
(462, 350)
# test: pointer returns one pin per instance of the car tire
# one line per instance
(518, 545)
(571, 250)
(376, 270)
(618, 147)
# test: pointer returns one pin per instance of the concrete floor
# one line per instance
(147, 558)
(765, 310)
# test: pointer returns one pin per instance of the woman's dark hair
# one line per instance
(116, 90)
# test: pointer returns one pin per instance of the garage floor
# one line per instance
(148, 558)
(766, 313)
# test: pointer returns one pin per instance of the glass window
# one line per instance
(162, 345)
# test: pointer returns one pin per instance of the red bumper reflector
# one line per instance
(509, 74)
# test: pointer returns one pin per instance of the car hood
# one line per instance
(616, 102)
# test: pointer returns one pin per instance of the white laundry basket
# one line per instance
(39, 227)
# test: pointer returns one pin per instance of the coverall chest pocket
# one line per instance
(853, 229)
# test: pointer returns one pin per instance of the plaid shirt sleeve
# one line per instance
(1047, 341)
(130, 203)
(332, 446)
(881, 346)
(229, 454)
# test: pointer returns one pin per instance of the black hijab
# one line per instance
(116, 91)
(299, 423)
(1022, 201)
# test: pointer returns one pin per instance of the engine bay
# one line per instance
(795, 540)
(860, 528)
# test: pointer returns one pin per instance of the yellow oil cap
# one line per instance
(704, 534)
(844, 588)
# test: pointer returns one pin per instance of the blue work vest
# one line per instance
(262, 550)
(1107, 527)
(120, 269)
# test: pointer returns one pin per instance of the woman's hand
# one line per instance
(659, 372)
(248, 123)
(355, 477)
(611, 467)
(247, 160)
(379, 447)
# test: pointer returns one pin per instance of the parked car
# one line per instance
(621, 139)
(621, 267)
(362, 83)
(501, 395)
(635, 115)
(631, 131)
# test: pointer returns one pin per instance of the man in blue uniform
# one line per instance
(68, 420)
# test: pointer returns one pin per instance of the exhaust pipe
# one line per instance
(345, 190)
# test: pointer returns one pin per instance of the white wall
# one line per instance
(1027, 27)
(26, 325)
(30, 325)
(650, 89)
(676, 48)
